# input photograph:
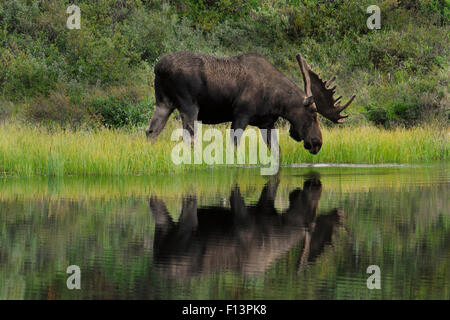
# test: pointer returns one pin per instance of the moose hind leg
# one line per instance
(159, 120)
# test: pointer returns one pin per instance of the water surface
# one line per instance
(309, 233)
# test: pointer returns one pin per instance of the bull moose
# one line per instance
(247, 90)
(242, 238)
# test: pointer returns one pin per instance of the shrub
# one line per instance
(397, 71)
(57, 109)
(121, 108)
(207, 14)
(23, 75)
(408, 102)
(5, 110)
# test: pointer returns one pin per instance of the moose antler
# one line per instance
(326, 105)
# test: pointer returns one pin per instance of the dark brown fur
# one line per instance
(245, 89)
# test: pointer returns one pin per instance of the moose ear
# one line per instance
(308, 101)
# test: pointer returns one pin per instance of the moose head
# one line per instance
(319, 98)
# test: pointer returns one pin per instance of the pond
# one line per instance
(308, 233)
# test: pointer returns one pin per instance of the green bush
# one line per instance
(406, 114)
(207, 14)
(5, 110)
(69, 107)
(398, 72)
(377, 114)
(57, 109)
(120, 111)
(24, 75)
(409, 102)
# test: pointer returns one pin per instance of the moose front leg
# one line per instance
(159, 120)
(238, 205)
(270, 137)
(237, 128)
(188, 220)
(267, 198)
(163, 221)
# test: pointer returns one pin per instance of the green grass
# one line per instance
(373, 145)
(29, 151)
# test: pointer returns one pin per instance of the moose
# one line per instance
(247, 90)
(241, 238)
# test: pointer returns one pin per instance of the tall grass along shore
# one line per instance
(30, 151)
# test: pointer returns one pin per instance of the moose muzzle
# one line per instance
(313, 146)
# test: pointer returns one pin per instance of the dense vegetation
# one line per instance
(102, 74)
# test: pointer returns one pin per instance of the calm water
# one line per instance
(310, 233)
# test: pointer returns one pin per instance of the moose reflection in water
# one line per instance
(243, 239)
